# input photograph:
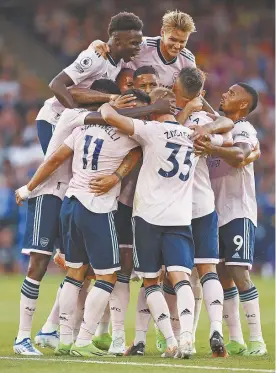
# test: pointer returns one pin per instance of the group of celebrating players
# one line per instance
(169, 197)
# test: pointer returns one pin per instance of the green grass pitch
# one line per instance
(152, 363)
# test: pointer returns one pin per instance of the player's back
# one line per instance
(98, 150)
(164, 189)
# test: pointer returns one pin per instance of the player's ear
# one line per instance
(162, 33)
(244, 105)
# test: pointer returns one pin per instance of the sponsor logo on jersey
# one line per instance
(86, 62)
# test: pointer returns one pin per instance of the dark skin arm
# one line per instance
(85, 96)
(233, 155)
(59, 88)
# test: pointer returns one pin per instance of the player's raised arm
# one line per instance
(117, 120)
(44, 171)
(59, 88)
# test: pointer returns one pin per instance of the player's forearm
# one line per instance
(220, 125)
(232, 155)
(42, 173)
(129, 162)
(253, 156)
(183, 115)
(84, 96)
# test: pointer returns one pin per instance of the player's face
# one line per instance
(129, 44)
(177, 89)
(146, 82)
(126, 81)
(234, 99)
(174, 40)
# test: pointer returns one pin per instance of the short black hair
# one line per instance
(141, 95)
(106, 86)
(124, 21)
(122, 71)
(192, 80)
(145, 70)
(253, 93)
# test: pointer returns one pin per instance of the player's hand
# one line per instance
(21, 195)
(194, 105)
(59, 260)
(123, 102)
(200, 131)
(203, 147)
(162, 106)
(102, 184)
(100, 47)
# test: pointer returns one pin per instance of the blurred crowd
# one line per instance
(234, 42)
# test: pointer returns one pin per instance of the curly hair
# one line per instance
(124, 21)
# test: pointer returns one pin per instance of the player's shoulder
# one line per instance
(151, 42)
(186, 54)
(87, 59)
(244, 127)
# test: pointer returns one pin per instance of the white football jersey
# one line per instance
(203, 195)
(58, 182)
(234, 188)
(168, 71)
(163, 193)
(98, 150)
(88, 67)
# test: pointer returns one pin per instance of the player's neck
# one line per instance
(164, 52)
(115, 57)
(236, 116)
(165, 117)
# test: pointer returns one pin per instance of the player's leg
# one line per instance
(205, 234)
(197, 291)
(147, 258)
(102, 248)
(231, 311)
(80, 306)
(241, 242)
(40, 234)
(178, 254)
(44, 132)
(171, 300)
(120, 296)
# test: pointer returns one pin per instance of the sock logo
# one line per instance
(253, 315)
(63, 317)
(115, 309)
(162, 317)
(145, 310)
(216, 303)
(185, 312)
(30, 309)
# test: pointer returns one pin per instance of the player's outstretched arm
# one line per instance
(83, 96)
(233, 155)
(113, 118)
(59, 88)
(44, 171)
(102, 184)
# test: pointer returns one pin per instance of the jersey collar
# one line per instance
(171, 122)
(162, 58)
(110, 59)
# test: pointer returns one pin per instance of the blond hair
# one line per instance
(174, 19)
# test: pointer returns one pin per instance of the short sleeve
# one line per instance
(143, 131)
(244, 132)
(88, 64)
(72, 118)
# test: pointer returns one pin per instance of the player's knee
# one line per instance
(112, 278)
(202, 269)
(77, 273)
(178, 276)
(38, 266)
(241, 277)
(225, 276)
(150, 281)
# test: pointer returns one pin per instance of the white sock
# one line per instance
(28, 301)
(185, 306)
(213, 299)
(160, 313)
(143, 317)
(119, 300)
(171, 300)
(67, 306)
(197, 291)
(94, 308)
(103, 326)
(52, 322)
(78, 317)
(250, 303)
(231, 314)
